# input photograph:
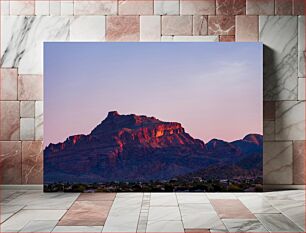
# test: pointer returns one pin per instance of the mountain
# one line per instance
(143, 149)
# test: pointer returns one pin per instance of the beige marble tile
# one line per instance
(27, 109)
(246, 28)
(5, 7)
(107, 7)
(42, 7)
(150, 28)
(301, 89)
(9, 120)
(74, 229)
(176, 25)
(30, 87)
(122, 28)
(27, 129)
(55, 8)
(8, 87)
(203, 7)
(39, 226)
(135, 7)
(32, 162)
(301, 47)
(260, 7)
(10, 162)
(200, 25)
(166, 7)
(39, 119)
(290, 120)
(67, 7)
(238, 225)
(299, 162)
(22, 7)
(167, 213)
(165, 226)
(278, 223)
(278, 163)
(23, 217)
(87, 28)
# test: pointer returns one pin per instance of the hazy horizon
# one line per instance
(213, 89)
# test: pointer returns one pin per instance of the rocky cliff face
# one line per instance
(139, 148)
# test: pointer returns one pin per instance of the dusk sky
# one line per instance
(213, 89)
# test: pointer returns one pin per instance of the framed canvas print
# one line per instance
(153, 117)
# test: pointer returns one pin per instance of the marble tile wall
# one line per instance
(26, 24)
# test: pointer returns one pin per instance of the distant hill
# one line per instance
(143, 149)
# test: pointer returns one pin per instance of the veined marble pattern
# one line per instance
(301, 46)
(22, 40)
(278, 163)
(34, 211)
(166, 7)
(279, 35)
(290, 120)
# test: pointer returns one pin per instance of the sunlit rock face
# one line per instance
(141, 148)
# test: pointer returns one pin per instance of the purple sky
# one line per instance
(213, 89)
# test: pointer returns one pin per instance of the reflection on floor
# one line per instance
(34, 211)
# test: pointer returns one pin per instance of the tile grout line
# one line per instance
(144, 216)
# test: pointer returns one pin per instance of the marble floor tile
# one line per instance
(221, 196)
(129, 195)
(23, 217)
(12, 196)
(258, 205)
(61, 201)
(6, 211)
(23, 198)
(90, 213)
(297, 195)
(232, 209)
(4, 194)
(127, 202)
(39, 226)
(165, 226)
(96, 197)
(74, 229)
(162, 213)
(192, 198)
(190, 209)
(238, 225)
(200, 230)
(294, 210)
(278, 223)
(205, 217)
(163, 199)
(123, 218)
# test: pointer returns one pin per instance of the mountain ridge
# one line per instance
(139, 148)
